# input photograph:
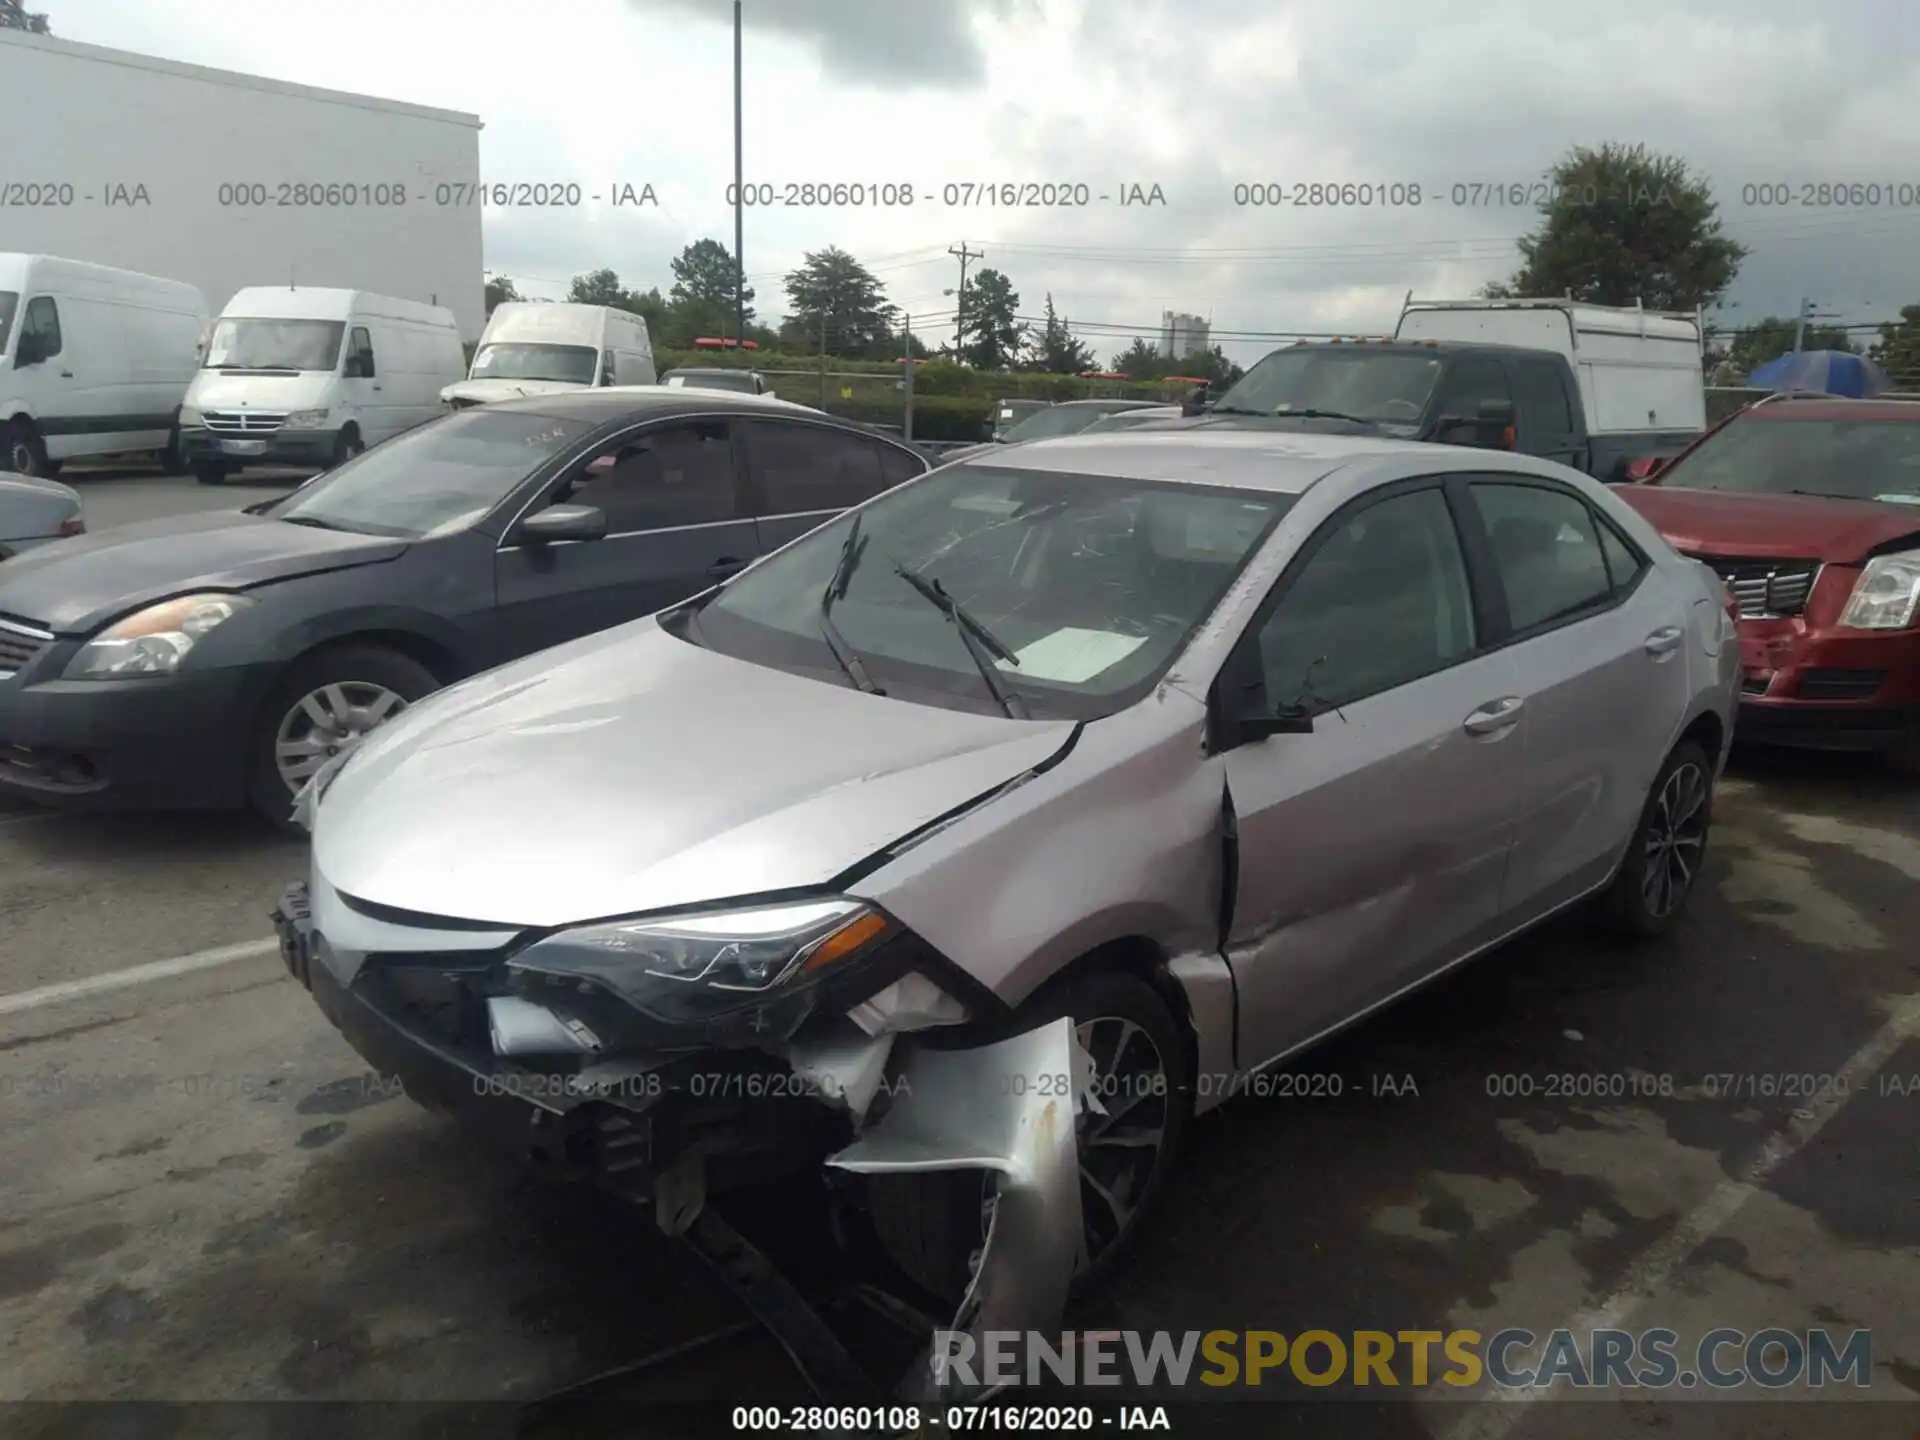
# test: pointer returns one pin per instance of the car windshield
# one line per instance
(1092, 583)
(433, 480)
(9, 302)
(570, 364)
(1054, 421)
(1123, 420)
(275, 345)
(1378, 385)
(1850, 459)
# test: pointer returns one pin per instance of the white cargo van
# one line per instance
(533, 349)
(1639, 371)
(299, 376)
(93, 361)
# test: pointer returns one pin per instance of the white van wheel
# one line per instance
(24, 453)
(347, 445)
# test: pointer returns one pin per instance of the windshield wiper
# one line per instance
(1311, 414)
(851, 554)
(982, 644)
(315, 523)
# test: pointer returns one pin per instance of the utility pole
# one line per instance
(1800, 326)
(823, 359)
(739, 202)
(960, 296)
(906, 365)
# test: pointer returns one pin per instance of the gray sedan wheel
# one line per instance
(1663, 859)
(326, 707)
(934, 1226)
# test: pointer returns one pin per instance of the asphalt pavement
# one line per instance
(203, 1196)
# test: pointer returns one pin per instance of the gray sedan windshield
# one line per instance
(433, 480)
(1091, 583)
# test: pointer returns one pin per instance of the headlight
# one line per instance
(746, 977)
(306, 419)
(190, 417)
(1886, 594)
(154, 641)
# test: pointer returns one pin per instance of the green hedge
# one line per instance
(936, 378)
(935, 417)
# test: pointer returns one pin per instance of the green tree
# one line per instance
(14, 17)
(834, 293)
(1624, 226)
(1754, 345)
(600, 287)
(990, 327)
(1897, 351)
(500, 292)
(1141, 360)
(1210, 364)
(704, 281)
(1054, 350)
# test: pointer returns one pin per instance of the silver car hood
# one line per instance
(632, 771)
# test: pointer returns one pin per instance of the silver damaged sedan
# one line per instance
(973, 843)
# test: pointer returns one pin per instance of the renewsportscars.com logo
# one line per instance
(1514, 1359)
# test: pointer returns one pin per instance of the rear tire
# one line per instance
(932, 1226)
(22, 452)
(1669, 845)
(355, 688)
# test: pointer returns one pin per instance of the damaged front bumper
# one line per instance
(858, 1093)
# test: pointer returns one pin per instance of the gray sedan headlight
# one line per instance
(739, 976)
(155, 640)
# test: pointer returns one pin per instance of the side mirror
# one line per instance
(1236, 706)
(564, 522)
(1640, 471)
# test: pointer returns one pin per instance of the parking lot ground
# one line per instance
(204, 1196)
(121, 494)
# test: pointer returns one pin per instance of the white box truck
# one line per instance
(312, 377)
(531, 348)
(225, 181)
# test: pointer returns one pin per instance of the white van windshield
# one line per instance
(275, 345)
(570, 364)
(9, 302)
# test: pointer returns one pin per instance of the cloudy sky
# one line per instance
(1191, 95)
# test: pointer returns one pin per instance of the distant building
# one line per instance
(1181, 335)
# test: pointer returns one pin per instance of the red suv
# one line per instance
(1810, 511)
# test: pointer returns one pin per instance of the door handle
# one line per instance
(1494, 717)
(66, 374)
(1665, 640)
(724, 567)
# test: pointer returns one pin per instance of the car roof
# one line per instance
(612, 402)
(1833, 407)
(1282, 462)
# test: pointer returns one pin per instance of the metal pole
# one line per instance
(1800, 326)
(739, 210)
(906, 342)
(823, 359)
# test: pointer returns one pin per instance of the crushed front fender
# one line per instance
(1008, 1108)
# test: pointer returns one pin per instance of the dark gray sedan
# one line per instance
(34, 511)
(208, 662)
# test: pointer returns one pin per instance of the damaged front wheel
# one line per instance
(933, 1226)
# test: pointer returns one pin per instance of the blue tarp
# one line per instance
(1834, 372)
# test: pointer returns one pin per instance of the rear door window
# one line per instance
(671, 477)
(811, 469)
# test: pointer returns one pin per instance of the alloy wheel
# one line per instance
(1121, 1140)
(1676, 837)
(328, 722)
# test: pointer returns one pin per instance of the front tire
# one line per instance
(327, 704)
(346, 445)
(1669, 845)
(23, 452)
(211, 474)
(173, 460)
(933, 1226)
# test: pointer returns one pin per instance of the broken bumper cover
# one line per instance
(997, 1108)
